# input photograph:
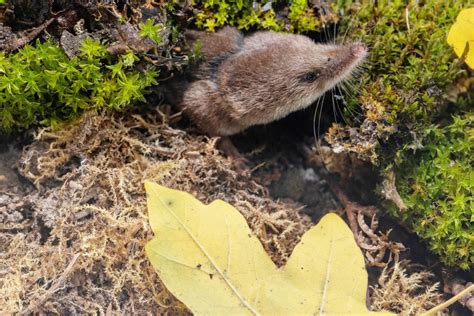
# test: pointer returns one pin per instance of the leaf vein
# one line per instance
(209, 257)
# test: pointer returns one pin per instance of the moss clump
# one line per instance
(148, 29)
(243, 14)
(410, 65)
(262, 14)
(40, 84)
(437, 184)
(410, 70)
(302, 17)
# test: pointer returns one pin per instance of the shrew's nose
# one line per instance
(358, 50)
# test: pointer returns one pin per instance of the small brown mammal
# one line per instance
(245, 81)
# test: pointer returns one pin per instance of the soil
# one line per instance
(13, 187)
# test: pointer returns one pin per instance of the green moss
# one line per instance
(410, 70)
(258, 15)
(40, 84)
(410, 64)
(148, 29)
(302, 17)
(437, 184)
(241, 13)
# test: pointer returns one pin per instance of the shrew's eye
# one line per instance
(311, 76)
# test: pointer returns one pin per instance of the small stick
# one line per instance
(407, 12)
(22, 41)
(452, 300)
(54, 287)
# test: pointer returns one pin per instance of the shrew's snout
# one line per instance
(358, 49)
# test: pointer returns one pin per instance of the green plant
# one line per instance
(410, 64)
(258, 14)
(302, 17)
(40, 84)
(437, 184)
(151, 30)
(402, 94)
(217, 13)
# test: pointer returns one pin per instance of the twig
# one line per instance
(54, 287)
(391, 193)
(22, 41)
(407, 19)
(452, 300)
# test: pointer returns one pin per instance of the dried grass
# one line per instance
(406, 293)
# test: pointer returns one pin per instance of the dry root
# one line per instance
(375, 246)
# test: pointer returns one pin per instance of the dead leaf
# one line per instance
(207, 256)
(461, 36)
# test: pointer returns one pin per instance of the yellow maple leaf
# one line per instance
(207, 256)
(461, 36)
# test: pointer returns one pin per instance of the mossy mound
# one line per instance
(413, 80)
(437, 184)
(295, 15)
(408, 73)
(41, 84)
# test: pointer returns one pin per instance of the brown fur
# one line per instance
(261, 78)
